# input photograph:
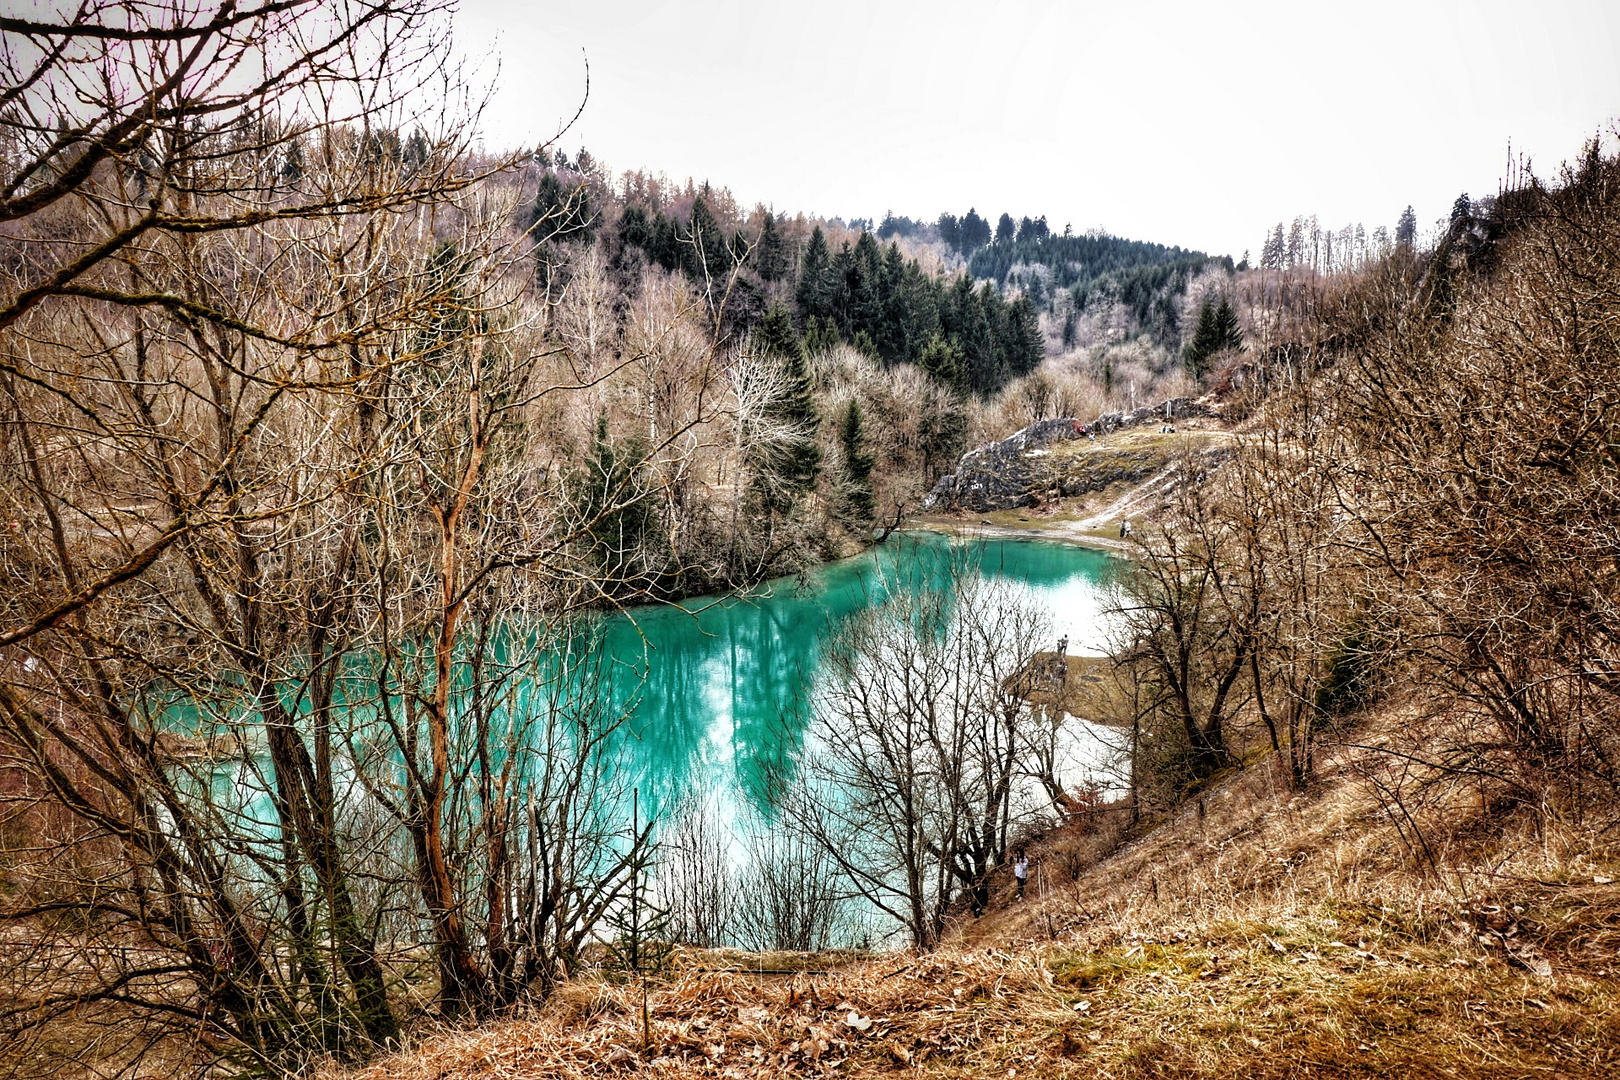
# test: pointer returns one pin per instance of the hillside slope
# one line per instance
(1254, 933)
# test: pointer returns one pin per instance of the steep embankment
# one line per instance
(1255, 933)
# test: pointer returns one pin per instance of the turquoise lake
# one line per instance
(726, 681)
(717, 691)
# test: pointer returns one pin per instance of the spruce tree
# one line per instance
(710, 255)
(794, 466)
(864, 288)
(942, 359)
(771, 259)
(975, 232)
(813, 294)
(821, 335)
(292, 166)
(1204, 343)
(561, 213)
(1406, 230)
(1229, 336)
(1217, 331)
(776, 337)
(1026, 346)
(858, 499)
(1274, 252)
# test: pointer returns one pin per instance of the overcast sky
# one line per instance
(1178, 121)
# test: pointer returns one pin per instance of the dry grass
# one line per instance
(1255, 934)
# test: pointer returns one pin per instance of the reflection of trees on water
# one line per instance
(729, 679)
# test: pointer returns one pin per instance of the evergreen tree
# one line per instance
(1462, 211)
(613, 498)
(979, 339)
(561, 214)
(292, 166)
(787, 471)
(1406, 230)
(975, 232)
(771, 258)
(950, 231)
(710, 255)
(1217, 332)
(1273, 252)
(894, 334)
(864, 289)
(858, 499)
(1229, 336)
(942, 359)
(1202, 345)
(1025, 345)
(821, 335)
(1006, 229)
(415, 154)
(776, 337)
(814, 292)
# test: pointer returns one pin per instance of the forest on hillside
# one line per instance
(329, 436)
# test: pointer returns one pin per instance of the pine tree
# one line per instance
(813, 294)
(710, 255)
(1204, 341)
(789, 470)
(771, 258)
(1462, 210)
(1025, 345)
(292, 166)
(776, 337)
(942, 359)
(1406, 230)
(858, 499)
(1229, 336)
(415, 154)
(613, 498)
(864, 288)
(1274, 251)
(821, 335)
(975, 232)
(1217, 331)
(561, 214)
(1006, 229)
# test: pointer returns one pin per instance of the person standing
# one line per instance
(1021, 872)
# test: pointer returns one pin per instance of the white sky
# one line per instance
(1169, 120)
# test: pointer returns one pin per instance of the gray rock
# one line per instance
(1004, 475)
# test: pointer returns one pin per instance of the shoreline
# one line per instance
(1055, 533)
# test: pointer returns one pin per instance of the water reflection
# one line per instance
(724, 702)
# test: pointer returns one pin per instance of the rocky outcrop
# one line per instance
(1016, 471)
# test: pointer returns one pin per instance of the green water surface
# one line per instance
(724, 699)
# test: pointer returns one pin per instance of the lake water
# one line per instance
(726, 680)
(717, 689)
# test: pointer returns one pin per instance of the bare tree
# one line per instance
(910, 783)
(280, 667)
(1188, 614)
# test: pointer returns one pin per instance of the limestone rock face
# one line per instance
(1020, 470)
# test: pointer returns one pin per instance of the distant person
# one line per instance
(1021, 872)
(1063, 645)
